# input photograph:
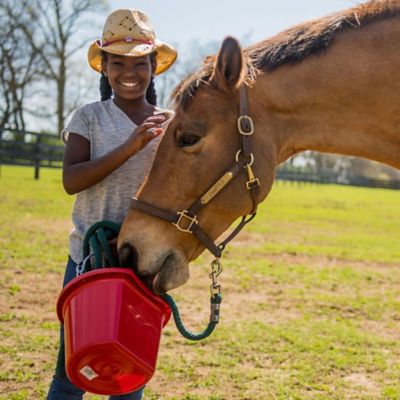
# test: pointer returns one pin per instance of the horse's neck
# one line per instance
(344, 101)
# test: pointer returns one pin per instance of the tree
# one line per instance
(52, 34)
(19, 64)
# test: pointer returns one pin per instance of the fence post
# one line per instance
(37, 157)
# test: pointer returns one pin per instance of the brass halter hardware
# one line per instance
(182, 216)
(242, 119)
(253, 181)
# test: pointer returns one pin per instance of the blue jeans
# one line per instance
(61, 387)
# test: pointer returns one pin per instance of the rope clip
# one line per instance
(216, 269)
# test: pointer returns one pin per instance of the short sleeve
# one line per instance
(78, 124)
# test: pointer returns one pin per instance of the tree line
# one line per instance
(39, 40)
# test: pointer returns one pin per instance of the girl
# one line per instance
(110, 144)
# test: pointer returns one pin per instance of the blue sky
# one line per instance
(179, 21)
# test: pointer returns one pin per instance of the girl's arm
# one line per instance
(80, 172)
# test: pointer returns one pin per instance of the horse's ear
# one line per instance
(229, 69)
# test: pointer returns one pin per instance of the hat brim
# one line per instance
(166, 54)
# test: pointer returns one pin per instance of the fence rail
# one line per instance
(40, 150)
(328, 177)
(32, 149)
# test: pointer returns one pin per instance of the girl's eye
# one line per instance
(188, 140)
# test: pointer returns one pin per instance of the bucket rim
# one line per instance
(103, 273)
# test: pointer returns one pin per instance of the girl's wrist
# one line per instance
(129, 150)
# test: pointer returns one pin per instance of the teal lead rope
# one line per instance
(97, 238)
(214, 317)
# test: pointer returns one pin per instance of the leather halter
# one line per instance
(186, 220)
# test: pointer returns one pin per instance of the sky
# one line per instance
(180, 21)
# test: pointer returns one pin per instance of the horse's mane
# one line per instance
(292, 45)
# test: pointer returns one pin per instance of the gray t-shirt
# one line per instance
(106, 127)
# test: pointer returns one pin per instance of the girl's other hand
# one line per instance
(145, 133)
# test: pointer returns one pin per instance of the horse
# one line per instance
(330, 85)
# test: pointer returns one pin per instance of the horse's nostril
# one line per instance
(128, 256)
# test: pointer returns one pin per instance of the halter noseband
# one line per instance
(186, 220)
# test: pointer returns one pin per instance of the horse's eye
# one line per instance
(188, 140)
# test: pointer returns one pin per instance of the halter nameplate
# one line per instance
(216, 188)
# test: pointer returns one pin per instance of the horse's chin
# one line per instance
(174, 272)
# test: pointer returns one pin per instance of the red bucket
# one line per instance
(112, 327)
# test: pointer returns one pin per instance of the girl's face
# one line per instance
(129, 77)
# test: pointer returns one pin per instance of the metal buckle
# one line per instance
(239, 124)
(192, 220)
(253, 182)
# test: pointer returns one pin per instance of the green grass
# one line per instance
(335, 221)
(311, 301)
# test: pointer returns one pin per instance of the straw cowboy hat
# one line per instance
(129, 33)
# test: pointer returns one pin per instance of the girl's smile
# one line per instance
(129, 84)
(128, 88)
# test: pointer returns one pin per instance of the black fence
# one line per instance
(326, 177)
(37, 150)
(41, 150)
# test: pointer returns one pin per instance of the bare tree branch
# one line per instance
(52, 30)
(19, 65)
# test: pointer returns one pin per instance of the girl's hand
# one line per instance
(81, 173)
(144, 133)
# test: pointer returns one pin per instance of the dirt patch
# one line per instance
(362, 380)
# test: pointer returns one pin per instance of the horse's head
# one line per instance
(199, 145)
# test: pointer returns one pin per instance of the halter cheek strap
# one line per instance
(186, 220)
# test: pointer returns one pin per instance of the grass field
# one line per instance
(311, 292)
